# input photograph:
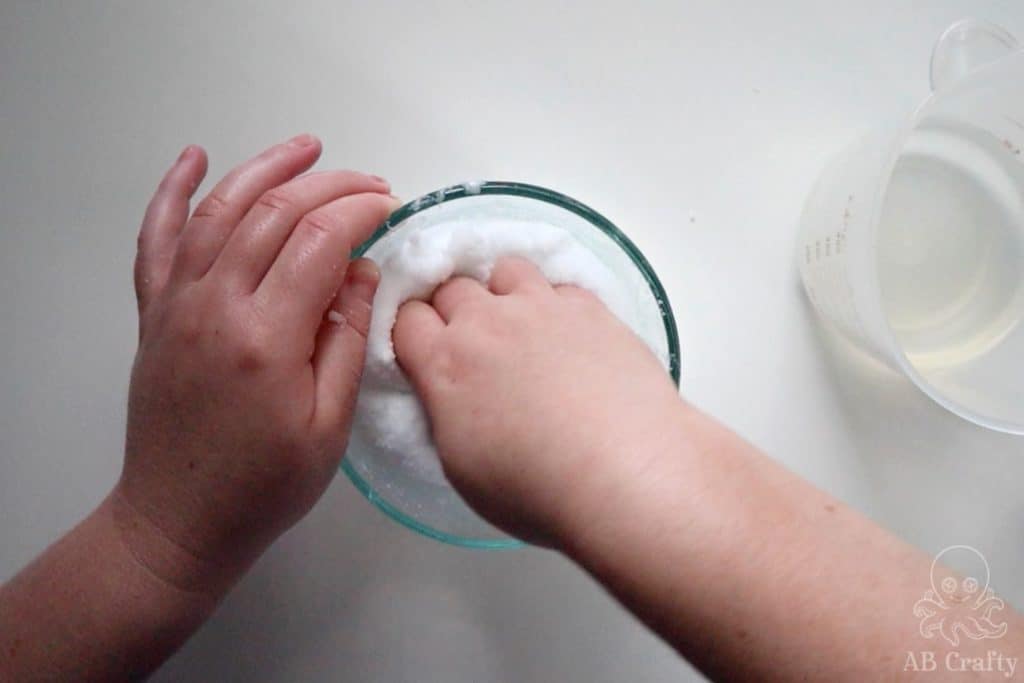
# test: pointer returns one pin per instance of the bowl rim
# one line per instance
(515, 189)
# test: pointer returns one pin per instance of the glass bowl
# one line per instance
(436, 510)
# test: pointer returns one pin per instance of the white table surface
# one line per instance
(652, 112)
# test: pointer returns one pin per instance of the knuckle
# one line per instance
(144, 279)
(212, 206)
(251, 358)
(191, 248)
(569, 297)
(252, 351)
(583, 297)
(463, 355)
(444, 365)
(139, 267)
(357, 317)
(187, 330)
(514, 315)
(168, 184)
(317, 225)
(278, 200)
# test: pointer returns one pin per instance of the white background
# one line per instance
(653, 113)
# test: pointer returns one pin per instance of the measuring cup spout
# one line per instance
(965, 46)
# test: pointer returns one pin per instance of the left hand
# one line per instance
(243, 386)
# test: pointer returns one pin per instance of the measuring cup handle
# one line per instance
(966, 45)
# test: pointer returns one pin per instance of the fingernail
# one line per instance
(186, 153)
(304, 140)
(363, 276)
(381, 181)
(395, 202)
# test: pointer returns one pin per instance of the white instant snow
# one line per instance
(416, 259)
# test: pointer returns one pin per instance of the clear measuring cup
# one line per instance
(912, 240)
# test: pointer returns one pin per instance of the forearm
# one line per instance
(91, 609)
(751, 572)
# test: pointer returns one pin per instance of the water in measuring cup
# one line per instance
(951, 244)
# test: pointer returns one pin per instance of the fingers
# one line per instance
(574, 292)
(165, 217)
(455, 293)
(259, 238)
(416, 330)
(309, 269)
(341, 345)
(220, 211)
(513, 273)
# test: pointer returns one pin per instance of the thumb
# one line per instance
(416, 328)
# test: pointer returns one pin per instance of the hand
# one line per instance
(538, 396)
(252, 332)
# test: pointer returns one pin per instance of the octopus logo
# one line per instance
(959, 606)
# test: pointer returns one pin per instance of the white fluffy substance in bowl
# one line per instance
(430, 248)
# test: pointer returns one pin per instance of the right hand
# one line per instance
(541, 401)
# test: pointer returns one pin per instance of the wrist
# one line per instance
(154, 553)
(638, 472)
(94, 607)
